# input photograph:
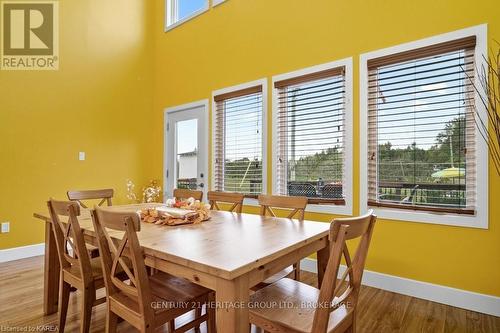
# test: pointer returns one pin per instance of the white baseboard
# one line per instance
(441, 294)
(22, 252)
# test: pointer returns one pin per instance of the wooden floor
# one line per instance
(21, 288)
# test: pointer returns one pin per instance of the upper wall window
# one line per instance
(238, 125)
(179, 11)
(422, 138)
(313, 136)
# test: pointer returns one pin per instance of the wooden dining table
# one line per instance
(229, 253)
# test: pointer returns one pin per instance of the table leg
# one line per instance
(232, 298)
(322, 260)
(51, 272)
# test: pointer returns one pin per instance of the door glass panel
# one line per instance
(186, 137)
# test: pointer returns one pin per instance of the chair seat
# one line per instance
(298, 314)
(95, 264)
(169, 292)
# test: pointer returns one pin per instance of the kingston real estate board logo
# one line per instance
(30, 35)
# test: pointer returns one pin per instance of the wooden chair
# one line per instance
(182, 194)
(214, 198)
(336, 300)
(297, 205)
(77, 268)
(105, 195)
(134, 301)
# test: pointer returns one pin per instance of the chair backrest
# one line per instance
(182, 194)
(125, 254)
(69, 238)
(334, 292)
(214, 198)
(105, 195)
(297, 205)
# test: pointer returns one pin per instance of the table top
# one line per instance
(228, 245)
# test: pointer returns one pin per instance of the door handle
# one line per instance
(201, 185)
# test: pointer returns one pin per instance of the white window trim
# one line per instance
(480, 220)
(217, 2)
(170, 22)
(260, 82)
(348, 125)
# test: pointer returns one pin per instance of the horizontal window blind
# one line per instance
(310, 138)
(421, 129)
(238, 142)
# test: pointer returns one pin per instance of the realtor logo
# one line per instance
(30, 35)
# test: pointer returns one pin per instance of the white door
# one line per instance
(186, 148)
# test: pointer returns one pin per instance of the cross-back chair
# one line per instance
(296, 206)
(182, 194)
(336, 300)
(77, 268)
(133, 300)
(236, 199)
(105, 195)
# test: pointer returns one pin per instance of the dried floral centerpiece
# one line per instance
(177, 212)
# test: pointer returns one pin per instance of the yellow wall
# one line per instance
(100, 102)
(117, 75)
(243, 40)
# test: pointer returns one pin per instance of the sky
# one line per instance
(187, 7)
(187, 136)
(418, 98)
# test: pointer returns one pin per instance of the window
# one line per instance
(421, 134)
(217, 2)
(179, 11)
(238, 125)
(313, 136)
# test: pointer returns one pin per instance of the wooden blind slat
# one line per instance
(309, 77)
(427, 51)
(238, 93)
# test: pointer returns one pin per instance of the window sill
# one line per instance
(187, 18)
(217, 2)
(479, 220)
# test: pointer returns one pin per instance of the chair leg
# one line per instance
(64, 291)
(210, 308)
(296, 267)
(171, 326)
(111, 322)
(197, 314)
(147, 329)
(88, 298)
